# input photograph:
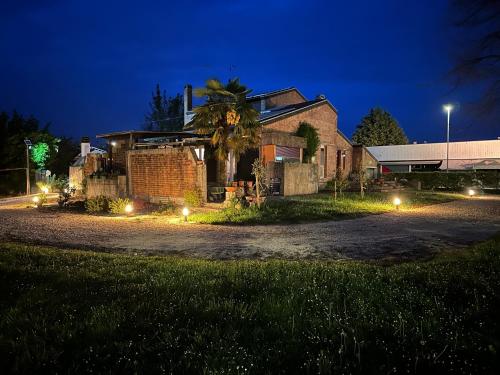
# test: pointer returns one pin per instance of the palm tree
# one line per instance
(230, 120)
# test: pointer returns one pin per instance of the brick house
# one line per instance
(165, 164)
(283, 110)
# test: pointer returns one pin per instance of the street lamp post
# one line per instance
(27, 142)
(448, 108)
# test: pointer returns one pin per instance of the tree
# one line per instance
(166, 114)
(59, 162)
(478, 62)
(14, 129)
(259, 171)
(340, 183)
(310, 133)
(40, 153)
(226, 116)
(379, 128)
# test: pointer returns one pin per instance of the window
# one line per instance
(322, 162)
(287, 153)
(341, 156)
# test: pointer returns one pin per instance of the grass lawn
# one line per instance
(320, 207)
(82, 312)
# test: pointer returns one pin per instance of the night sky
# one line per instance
(89, 67)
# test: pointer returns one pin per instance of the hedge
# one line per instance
(454, 181)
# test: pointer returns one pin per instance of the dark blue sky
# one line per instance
(89, 67)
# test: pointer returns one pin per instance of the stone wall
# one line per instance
(169, 172)
(296, 178)
(76, 177)
(111, 187)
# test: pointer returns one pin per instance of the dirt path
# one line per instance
(401, 235)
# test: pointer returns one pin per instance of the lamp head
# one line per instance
(448, 107)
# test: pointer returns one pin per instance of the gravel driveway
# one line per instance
(398, 235)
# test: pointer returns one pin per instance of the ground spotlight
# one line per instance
(185, 213)
(397, 202)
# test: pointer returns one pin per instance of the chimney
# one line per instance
(85, 146)
(188, 102)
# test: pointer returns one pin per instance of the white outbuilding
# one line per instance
(470, 155)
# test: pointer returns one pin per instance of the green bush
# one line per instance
(166, 208)
(117, 206)
(453, 181)
(311, 136)
(192, 198)
(97, 204)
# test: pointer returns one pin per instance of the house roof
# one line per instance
(145, 133)
(274, 114)
(273, 93)
(437, 151)
(79, 160)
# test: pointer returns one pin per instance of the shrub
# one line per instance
(168, 207)
(310, 133)
(40, 200)
(117, 206)
(454, 181)
(192, 198)
(97, 204)
(64, 190)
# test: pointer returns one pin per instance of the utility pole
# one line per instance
(27, 142)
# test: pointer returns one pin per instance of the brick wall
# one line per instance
(167, 172)
(118, 154)
(324, 118)
(343, 145)
(363, 159)
(286, 98)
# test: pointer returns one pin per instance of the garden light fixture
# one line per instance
(36, 200)
(471, 192)
(397, 202)
(45, 189)
(129, 208)
(185, 213)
